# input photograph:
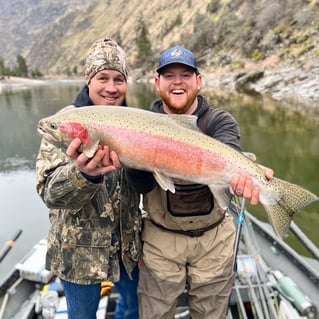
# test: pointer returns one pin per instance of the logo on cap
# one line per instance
(177, 52)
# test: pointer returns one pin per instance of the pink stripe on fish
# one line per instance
(155, 150)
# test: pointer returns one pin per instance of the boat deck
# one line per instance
(258, 291)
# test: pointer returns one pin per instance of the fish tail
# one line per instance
(292, 199)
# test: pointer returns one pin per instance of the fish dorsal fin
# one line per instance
(164, 181)
(186, 120)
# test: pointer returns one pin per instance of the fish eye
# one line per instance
(53, 125)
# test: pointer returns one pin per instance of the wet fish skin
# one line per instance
(172, 147)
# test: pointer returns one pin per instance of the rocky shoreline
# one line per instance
(298, 86)
(17, 83)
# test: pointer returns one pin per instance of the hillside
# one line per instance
(54, 36)
(23, 22)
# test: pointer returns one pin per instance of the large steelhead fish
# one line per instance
(172, 147)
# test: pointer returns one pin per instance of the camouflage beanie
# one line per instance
(105, 54)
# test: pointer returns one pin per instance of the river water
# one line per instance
(284, 140)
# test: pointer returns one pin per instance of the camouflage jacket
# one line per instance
(93, 225)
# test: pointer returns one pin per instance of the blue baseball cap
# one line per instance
(179, 55)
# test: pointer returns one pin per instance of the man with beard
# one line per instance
(187, 237)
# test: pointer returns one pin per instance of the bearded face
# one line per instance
(178, 86)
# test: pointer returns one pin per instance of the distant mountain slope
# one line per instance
(54, 36)
(22, 22)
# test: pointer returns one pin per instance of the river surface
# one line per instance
(284, 140)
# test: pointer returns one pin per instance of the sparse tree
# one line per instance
(75, 70)
(21, 68)
(4, 70)
(144, 47)
(118, 39)
(2, 67)
(36, 74)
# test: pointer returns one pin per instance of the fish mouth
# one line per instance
(45, 134)
(42, 131)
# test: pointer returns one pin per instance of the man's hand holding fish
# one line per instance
(103, 161)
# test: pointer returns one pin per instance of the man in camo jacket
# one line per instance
(94, 215)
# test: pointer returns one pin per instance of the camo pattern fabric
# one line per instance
(93, 225)
(105, 54)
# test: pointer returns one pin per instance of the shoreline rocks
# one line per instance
(298, 86)
(285, 83)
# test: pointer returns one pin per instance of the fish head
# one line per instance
(61, 132)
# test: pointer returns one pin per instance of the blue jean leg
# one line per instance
(82, 300)
(127, 305)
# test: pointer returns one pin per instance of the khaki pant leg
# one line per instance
(209, 297)
(157, 297)
(208, 259)
(162, 272)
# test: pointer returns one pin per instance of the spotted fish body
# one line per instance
(172, 147)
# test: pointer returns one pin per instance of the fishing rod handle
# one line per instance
(9, 244)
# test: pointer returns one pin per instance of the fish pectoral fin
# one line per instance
(164, 181)
(222, 195)
(90, 148)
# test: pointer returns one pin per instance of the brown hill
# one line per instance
(225, 34)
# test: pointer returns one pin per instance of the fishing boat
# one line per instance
(272, 280)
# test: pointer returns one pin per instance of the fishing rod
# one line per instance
(253, 277)
(240, 220)
(9, 244)
(264, 284)
(266, 309)
(240, 302)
